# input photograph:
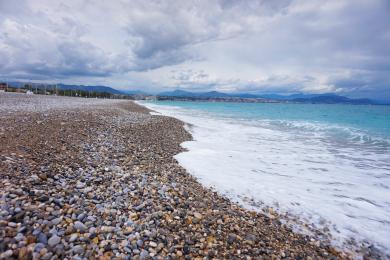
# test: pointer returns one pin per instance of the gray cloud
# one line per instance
(255, 46)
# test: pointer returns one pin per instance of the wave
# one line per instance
(332, 176)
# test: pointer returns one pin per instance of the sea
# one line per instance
(327, 165)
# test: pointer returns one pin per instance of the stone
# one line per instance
(30, 239)
(54, 240)
(19, 237)
(6, 254)
(80, 185)
(43, 176)
(47, 256)
(231, 238)
(186, 250)
(78, 250)
(197, 215)
(81, 216)
(144, 255)
(23, 253)
(42, 238)
(73, 237)
(12, 224)
(38, 247)
(80, 226)
(152, 244)
(56, 221)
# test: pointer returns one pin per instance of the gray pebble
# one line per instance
(81, 216)
(144, 254)
(78, 250)
(19, 237)
(6, 254)
(73, 238)
(80, 226)
(54, 240)
(56, 221)
(38, 247)
(42, 238)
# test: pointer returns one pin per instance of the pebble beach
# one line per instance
(96, 178)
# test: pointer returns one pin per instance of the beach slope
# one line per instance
(97, 178)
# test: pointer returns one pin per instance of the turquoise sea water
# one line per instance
(327, 164)
(367, 118)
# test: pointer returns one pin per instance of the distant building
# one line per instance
(152, 98)
(3, 86)
(21, 90)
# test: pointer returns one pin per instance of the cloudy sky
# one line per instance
(278, 46)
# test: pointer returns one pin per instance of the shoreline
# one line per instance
(97, 178)
(212, 136)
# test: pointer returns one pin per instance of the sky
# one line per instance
(264, 46)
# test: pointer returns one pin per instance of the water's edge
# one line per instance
(298, 222)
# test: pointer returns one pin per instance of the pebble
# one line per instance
(19, 237)
(73, 237)
(47, 256)
(140, 243)
(144, 254)
(6, 254)
(54, 240)
(56, 221)
(152, 244)
(80, 185)
(231, 238)
(38, 247)
(23, 253)
(81, 216)
(197, 215)
(80, 226)
(78, 250)
(12, 224)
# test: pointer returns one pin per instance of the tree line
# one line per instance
(55, 90)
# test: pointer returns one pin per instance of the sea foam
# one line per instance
(329, 175)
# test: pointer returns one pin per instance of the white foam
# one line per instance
(300, 172)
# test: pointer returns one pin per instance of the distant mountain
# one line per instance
(213, 94)
(334, 99)
(328, 98)
(102, 89)
(210, 94)
(135, 92)
(16, 84)
(293, 96)
(90, 88)
(176, 93)
(61, 86)
(244, 95)
(273, 96)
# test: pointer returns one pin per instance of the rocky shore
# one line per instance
(90, 178)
